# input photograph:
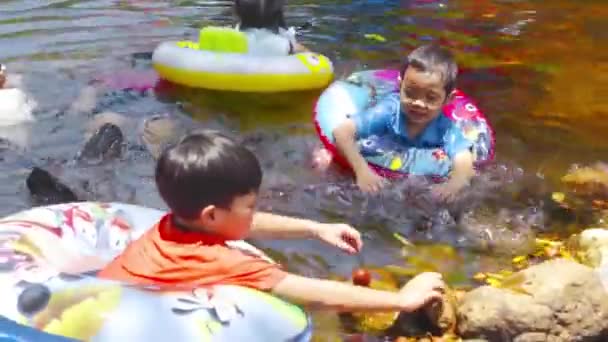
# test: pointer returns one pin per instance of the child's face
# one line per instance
(234, 223)
(422, 95)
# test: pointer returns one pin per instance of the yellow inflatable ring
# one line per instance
(195, 65)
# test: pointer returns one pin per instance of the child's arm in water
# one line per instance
(367, 179)
(271, 226)
(462, 172)
(328, 294)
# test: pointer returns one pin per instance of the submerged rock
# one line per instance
(46, 189)
(558, 300)
(160, 131)
(105, 144)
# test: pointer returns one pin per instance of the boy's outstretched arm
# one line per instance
(271, 226)
(367, 179)
(333, 295)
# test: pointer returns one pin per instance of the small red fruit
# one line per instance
(362, 277)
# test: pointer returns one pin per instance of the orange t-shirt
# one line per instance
(168, 255)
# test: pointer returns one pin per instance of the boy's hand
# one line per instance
(369, 181)
(446, 191)
(339, 235)
(459, 178)
(422, 290)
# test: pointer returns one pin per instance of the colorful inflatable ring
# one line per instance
(45, 294)
(345, 98)
(190, 64)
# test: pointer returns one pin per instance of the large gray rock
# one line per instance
(593, 244)
(558, 300)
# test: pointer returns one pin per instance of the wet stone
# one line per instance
(46, 189)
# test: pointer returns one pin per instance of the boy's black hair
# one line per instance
(260, 14)
(436, 59)
(205, 168)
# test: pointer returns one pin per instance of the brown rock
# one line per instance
(558, 300)
(443, 314)
(437, 319)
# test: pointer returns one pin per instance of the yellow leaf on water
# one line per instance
(520, 258)
(401, 271)
(505, 273)
(545, 242)
(558, 197)
(375, 36)
(374, 322)
(480, 276)
(493, 282)
(567, 255)
(495, 275)
(403, 240)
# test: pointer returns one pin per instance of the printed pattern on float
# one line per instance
(40, 248)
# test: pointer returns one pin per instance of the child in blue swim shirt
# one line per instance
(412, 119)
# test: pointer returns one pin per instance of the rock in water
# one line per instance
(558, 300)
(159, 132)
(107, 143)
(45, 189)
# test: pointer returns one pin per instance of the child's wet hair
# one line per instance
(260, 14)
(434, 58)
(205, 168)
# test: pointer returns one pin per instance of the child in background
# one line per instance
(413, 118)
(263, 23)
(210, 183)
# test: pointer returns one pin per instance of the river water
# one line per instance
(538, 69)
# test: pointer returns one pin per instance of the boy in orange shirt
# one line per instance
(210, 183)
